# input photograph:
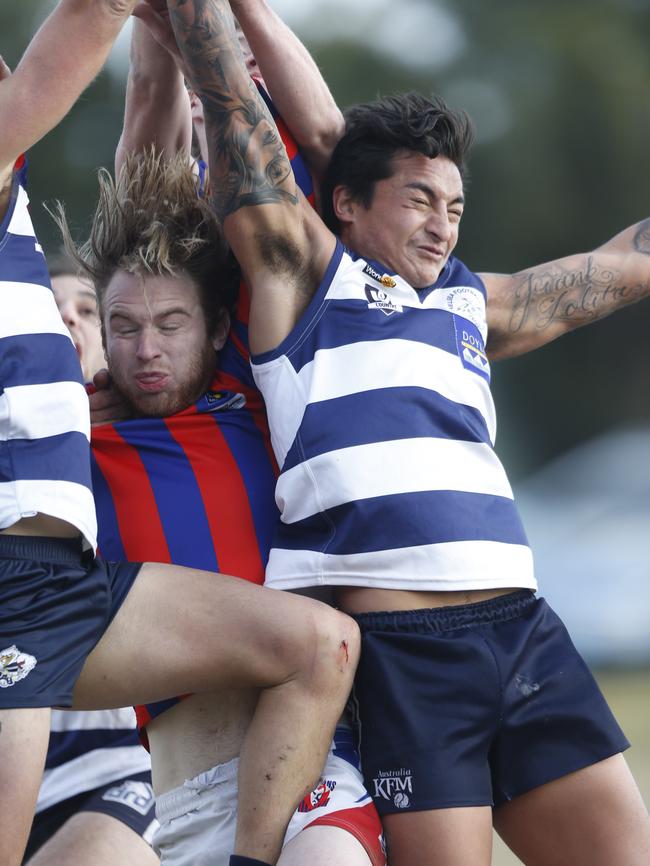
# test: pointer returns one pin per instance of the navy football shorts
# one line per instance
(474, 704)
(55, 603)
(129, 800)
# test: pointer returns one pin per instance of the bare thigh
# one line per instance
(440, 837)
(181, 630)
(24, 735)
(322, 846)
(94, 839)
(593, 817)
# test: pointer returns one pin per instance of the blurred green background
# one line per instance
(560, 94)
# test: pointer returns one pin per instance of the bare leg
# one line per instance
(594, 817)
(181, 630)
(440, 837)
(322, 846)
(94, 839)
(24, 735)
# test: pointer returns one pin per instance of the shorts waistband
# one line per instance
(440, 619)
(172, 804)
(64, 551)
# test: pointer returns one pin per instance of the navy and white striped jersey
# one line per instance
(383, 424)
(88, 750)
(44, 420)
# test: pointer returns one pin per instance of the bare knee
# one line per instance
(332, 655)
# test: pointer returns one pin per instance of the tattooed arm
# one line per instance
(282, 246)
(537, 305)
(293, 80)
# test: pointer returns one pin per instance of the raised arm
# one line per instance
(157, 107)
(293, 80)
(281, 245)
(61, 60)
(539, 304)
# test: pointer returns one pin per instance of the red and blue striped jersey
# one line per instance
(195, 488)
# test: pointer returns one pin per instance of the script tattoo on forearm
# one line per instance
(546, 296)
(248, 162)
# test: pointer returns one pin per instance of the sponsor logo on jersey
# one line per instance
(14, 666)
(378, 299)
(221, 401)
(319, 797)
(471, 348)
(384, 279)
(394, 785)
(136, 795)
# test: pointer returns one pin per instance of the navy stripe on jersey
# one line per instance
(428, 517)
(249, 451)
(378, 416)
(348, 322)
(66, 745)
(22, 262)
(109, 540)
(57, 458)
(187, 530)
(28, 359)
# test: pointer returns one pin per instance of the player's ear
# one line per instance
(344, 205)
(221, 330)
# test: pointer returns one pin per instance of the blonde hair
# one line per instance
(152, 221)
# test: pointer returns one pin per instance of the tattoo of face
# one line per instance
(642, 238)
(248, 162)
(544, 296)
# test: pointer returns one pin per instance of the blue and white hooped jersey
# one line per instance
(383, 425)
(44, 419)
(87, 750)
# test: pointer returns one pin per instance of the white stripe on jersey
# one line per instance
(91, 720)
(66, 500)
(29, 309)
(451, 565)
(407, 466)
(90, 771)
(360, 367)
(37, 411)
(20, 222)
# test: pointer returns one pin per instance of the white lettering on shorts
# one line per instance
(135, 795)
(395, 785)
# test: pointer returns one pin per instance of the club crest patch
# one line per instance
(467, 302)
(319, 797)
(378, 299)
(14, 666)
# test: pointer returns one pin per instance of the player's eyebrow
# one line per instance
(430, 192)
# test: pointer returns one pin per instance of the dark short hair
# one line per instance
(376, 131)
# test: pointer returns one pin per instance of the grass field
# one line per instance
(628, 693)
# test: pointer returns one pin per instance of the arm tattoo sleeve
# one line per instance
(248, 162)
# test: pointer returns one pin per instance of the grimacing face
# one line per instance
(160, 355)
(412, 223)
(77, 304)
